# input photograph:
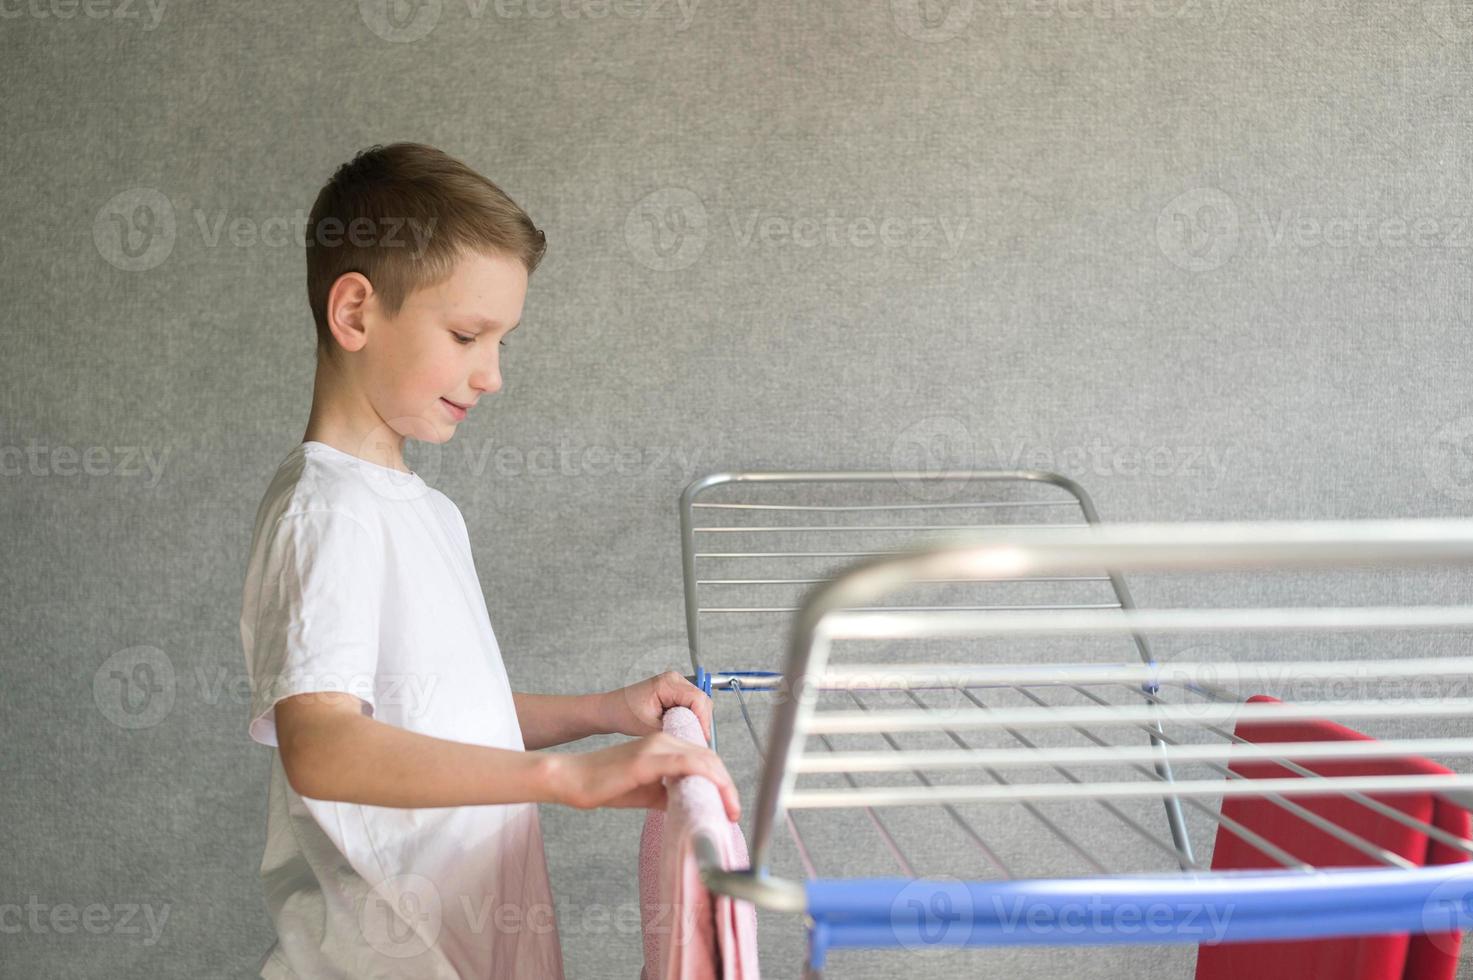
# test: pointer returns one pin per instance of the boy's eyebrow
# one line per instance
(486, 323)
(489, 324)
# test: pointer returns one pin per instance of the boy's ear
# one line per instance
(347, 303)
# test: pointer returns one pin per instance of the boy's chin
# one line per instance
(436, 436)
(426, 430)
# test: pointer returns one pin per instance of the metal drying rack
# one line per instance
(1005, 719)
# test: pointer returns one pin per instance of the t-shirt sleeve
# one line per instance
(316, 614)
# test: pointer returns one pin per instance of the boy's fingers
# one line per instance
(699, 761)
(728, 790)
(698, 701)
(702, 708)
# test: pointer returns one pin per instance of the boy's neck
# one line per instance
(342, 418)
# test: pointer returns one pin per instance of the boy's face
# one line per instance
(443, 347)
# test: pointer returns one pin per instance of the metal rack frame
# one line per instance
(1391, 894)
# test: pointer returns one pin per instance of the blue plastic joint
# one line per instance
(818, 945)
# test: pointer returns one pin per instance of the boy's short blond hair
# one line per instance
(402, 215)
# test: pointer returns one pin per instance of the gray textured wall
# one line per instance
(1211, 258)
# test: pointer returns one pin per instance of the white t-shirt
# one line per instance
(361, 580)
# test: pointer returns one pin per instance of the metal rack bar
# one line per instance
(860, 624)
(799, 554)
(1015, 758)
(755, 529)
(951, 505)
(836, 722)
(735, 684)
(837, 676)
(934, 581)
(930, 796)
(791, 609)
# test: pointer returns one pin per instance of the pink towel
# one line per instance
(684, 935)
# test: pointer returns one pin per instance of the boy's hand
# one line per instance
(638, 709)
(631, 774)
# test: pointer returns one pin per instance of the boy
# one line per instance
(402, 829)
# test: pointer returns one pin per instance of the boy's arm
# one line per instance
(552, 719)
(332, 751)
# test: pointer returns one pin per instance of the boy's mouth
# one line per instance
(456, 410)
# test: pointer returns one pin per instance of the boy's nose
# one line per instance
(488, 382)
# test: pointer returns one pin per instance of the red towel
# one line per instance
(1393, 957)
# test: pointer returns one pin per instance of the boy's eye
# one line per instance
(463, 339)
